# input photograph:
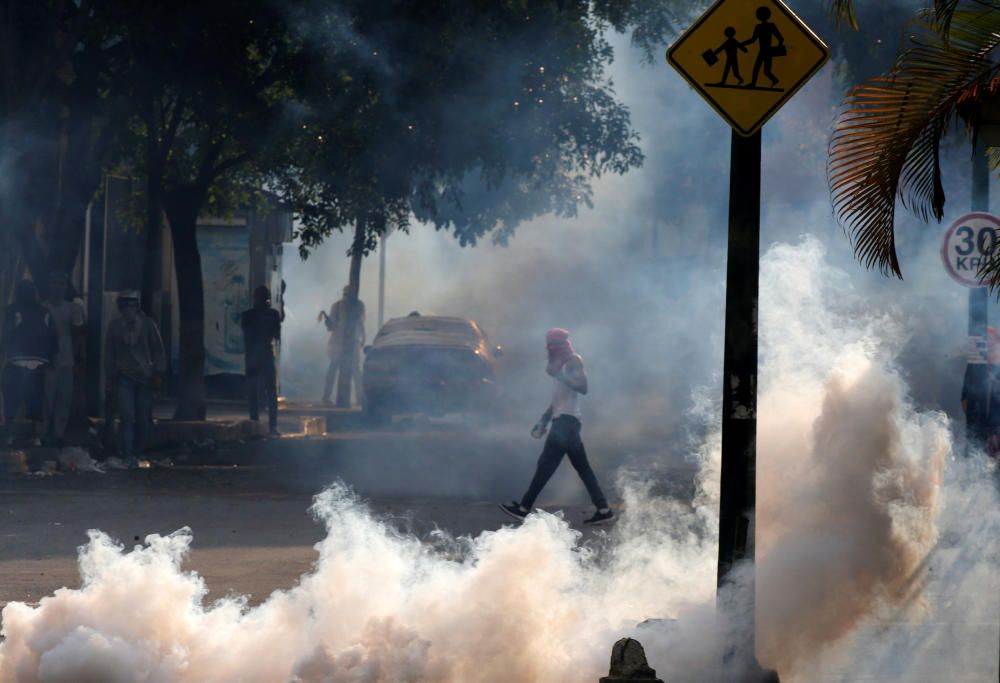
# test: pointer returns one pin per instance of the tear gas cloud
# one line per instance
(851, 484)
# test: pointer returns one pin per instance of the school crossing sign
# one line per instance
(747, 58)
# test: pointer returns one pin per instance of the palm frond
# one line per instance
(886, 141)
(944, 10)
(843, 13)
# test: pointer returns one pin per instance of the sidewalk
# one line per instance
(227, 425)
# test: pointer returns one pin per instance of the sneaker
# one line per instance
(36, 442)
(600, 517)
(274, 432)
(514, 509)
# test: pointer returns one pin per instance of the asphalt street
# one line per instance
(253, 532)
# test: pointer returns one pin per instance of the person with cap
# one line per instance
(261, 329)
(565, 367)
(68, 317)
(29, 346)
(134, 362)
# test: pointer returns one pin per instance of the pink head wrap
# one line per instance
(559, 348)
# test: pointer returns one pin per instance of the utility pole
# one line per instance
(381, 281)
(975, 392)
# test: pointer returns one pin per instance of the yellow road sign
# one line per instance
(747, 58)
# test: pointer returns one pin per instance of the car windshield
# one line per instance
(429, 330)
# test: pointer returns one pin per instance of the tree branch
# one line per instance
(231, 163)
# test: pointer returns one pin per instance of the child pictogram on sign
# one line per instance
(732, 48)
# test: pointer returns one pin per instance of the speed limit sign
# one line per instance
(967, 244)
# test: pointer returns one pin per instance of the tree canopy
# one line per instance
(472, 116)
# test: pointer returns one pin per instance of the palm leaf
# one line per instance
(886, 141)
(843, 13)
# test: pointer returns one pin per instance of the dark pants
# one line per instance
(564, 439)
(135, 409)
(262, 385)
(22, 385)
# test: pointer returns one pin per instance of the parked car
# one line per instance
(432, 365)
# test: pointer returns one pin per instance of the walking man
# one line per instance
(763, 34)
(336, 322)
(565, 367)
(68, 319)
(261, 329)
(29, 345)
(134, 363)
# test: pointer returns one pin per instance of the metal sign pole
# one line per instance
(739, 409)
(783, 55)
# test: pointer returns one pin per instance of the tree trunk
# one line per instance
(353, 285)
(154, 235)
(32, 250)
(182, 206)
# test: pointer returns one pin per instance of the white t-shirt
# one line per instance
(565, 400)
(65, 316)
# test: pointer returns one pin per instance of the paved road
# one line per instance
(251, 534)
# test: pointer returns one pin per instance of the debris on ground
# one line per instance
(76, 459)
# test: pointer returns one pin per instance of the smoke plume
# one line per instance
(850, 493)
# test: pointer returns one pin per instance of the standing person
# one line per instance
(29, 346)
(134, 362)
(261, 329)
(68, 317)
(565, 367)
(336, 322)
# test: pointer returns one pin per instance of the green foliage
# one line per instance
(651, 23)
(210, 82)
(472, 116)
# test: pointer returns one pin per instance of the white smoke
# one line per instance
(850, 492)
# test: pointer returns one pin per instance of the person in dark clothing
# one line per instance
(261, 329)
(29, 345)
(565, 367)
(134, 362)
